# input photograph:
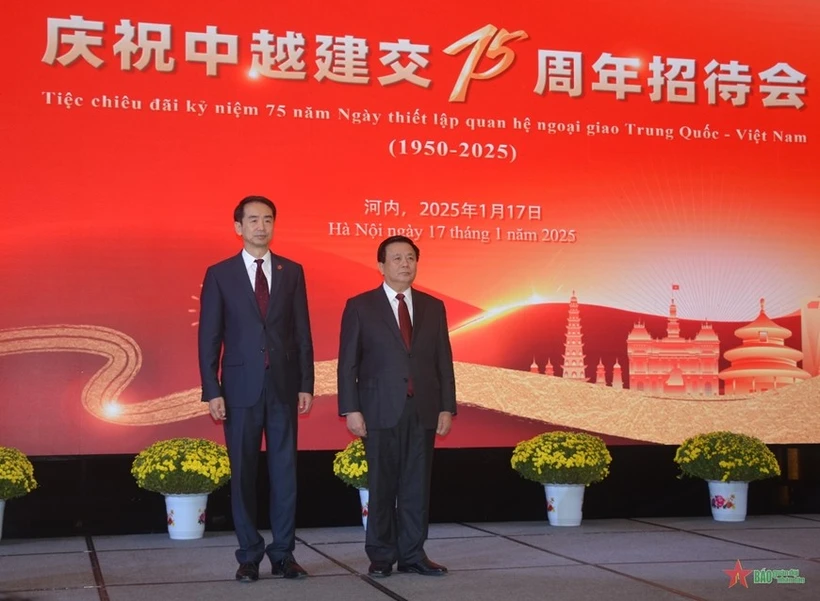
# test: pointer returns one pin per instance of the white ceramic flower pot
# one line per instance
(364, 497)
(186, 516)
(564, 504)
(728, 500)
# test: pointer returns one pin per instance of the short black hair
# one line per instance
(381, 254)
(239, 211)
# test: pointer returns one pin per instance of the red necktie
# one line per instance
(262, 294)
(406, 327)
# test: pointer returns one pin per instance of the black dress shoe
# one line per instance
(247, 572)
(288, 568)
(380, 569)
(425, 567)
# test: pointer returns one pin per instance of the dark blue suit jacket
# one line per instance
(231, 326)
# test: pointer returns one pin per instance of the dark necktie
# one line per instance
(261, 289)
(262, 294)
(406, 327)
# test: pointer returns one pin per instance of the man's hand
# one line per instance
(305, 402)
(356, 425)
(217, 408)
(445, 422)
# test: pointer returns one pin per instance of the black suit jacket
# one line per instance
(231, 325)
(374, 363)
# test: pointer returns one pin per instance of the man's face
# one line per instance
(399, 267)
(256, 227)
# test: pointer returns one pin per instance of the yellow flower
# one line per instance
(16, 474)
(182, 466)
(350, 464)
(562, 458)
(726, 456)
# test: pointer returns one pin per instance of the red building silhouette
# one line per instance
(763, 361)
(617, 376)
(574, 367)
(810, 322)
(674, 365)
(600, 373)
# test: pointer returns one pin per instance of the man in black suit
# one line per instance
(396, 387)
(254, 313)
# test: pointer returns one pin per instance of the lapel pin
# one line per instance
(279, 266)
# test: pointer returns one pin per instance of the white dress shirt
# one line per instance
(394, 302)
(250, 265)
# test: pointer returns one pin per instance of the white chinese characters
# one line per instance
(347, 59)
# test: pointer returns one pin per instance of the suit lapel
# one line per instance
(275, 279)
(240, 272)
(385, 310)
(419, 305)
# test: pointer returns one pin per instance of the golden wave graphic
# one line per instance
(785, 416)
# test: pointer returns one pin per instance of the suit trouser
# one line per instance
(400, 461)
(243, 437)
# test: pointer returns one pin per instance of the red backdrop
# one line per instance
(112, 213)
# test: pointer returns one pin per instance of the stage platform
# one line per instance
(628, 560)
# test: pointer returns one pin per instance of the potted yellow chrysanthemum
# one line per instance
(350, 466)
(728, 462)
(565, 463)
(16, 478)
(186, 471)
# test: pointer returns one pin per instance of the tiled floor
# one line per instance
(629, 560)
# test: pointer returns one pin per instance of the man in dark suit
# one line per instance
(396, 387)
(254, 313)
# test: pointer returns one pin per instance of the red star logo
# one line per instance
(737, 575)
